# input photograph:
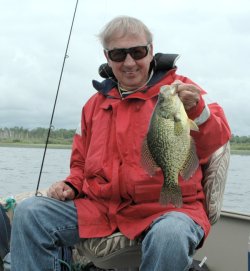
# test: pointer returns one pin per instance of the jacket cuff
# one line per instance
(200, 113)
(72, 186)
(204, 116)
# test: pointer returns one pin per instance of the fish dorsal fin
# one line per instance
(147, 160)
(191, 164)
(193, 125)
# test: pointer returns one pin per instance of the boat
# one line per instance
(225, 249)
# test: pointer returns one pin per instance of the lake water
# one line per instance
(20, 167)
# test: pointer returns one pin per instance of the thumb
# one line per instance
(177, 82)
(69, 193)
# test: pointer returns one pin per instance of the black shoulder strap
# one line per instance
(4, 233)
(165, 62)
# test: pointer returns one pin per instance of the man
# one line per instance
(108, 189)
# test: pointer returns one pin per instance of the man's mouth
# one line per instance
(130, 72)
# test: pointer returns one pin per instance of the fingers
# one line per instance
(183, 86)
(55, 191)
(188, 87)
(188, 93)
(60, 191)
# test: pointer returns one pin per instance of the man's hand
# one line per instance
(61, 191)
(188, 93)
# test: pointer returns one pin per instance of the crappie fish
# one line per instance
(168, 144)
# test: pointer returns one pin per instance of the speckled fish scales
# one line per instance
(168, 145)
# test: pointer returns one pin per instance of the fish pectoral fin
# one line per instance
(193, 125)
(178, 128)
(191, 164)
(147, 160)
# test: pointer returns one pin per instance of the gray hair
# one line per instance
(121, 26)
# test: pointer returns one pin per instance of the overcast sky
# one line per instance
(212, 37)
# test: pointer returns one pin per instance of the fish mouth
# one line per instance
(175, 89)
(169, 90)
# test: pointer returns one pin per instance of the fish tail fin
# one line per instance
(171, 195)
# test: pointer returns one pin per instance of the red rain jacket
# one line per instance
(115, 192)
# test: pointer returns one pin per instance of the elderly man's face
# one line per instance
(130, 73)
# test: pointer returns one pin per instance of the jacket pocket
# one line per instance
(146, 191)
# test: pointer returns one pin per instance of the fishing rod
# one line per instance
(54, 107)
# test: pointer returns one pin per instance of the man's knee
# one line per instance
(170, 230)
(167, 241)
(26, 209)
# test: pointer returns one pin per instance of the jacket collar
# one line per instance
(162, 63)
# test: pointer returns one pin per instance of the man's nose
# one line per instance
(129, 60)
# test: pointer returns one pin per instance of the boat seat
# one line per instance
(119, 253)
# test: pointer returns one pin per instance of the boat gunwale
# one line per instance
(230, 214)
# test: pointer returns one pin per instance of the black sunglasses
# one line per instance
(120, 54)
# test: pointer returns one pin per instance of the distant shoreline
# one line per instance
(234, 149)
(240, 152)
(34, 145)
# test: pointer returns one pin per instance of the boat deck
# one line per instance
(226, 247)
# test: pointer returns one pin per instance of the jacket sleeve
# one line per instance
(77, 161)
(214, 130)
(213, 133)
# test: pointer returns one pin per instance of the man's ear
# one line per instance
(106, 56)
(151, 51)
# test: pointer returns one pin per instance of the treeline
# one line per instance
(65, 136)
(37, 135)
(240, 139)
(240, 143)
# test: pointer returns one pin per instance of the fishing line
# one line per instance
(54, 107)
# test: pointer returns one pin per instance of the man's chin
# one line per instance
(130, 85)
